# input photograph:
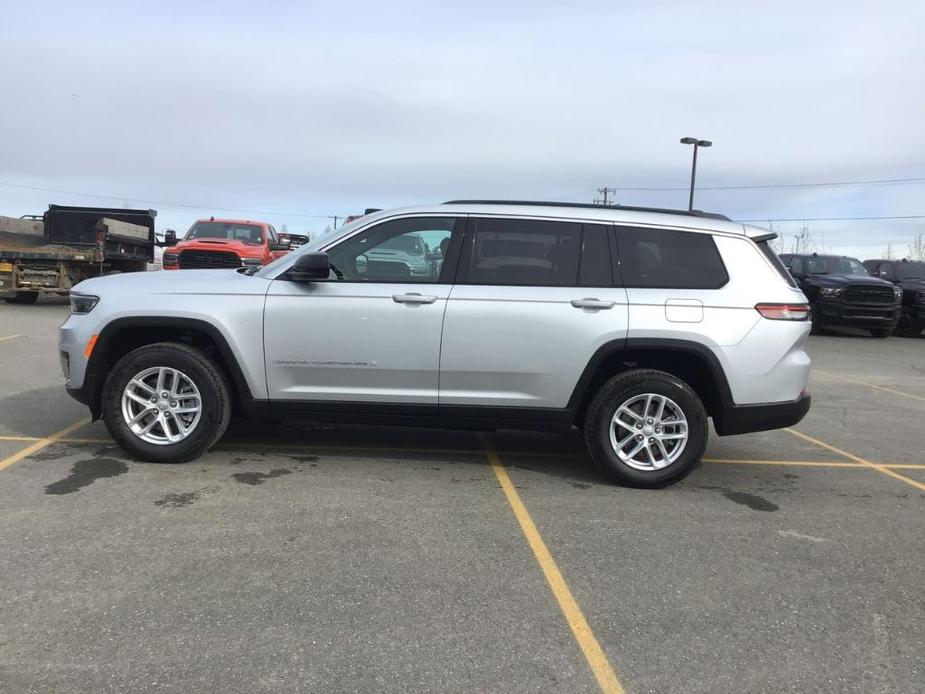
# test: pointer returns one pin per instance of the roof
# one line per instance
(615, 214)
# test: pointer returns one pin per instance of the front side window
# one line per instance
(669, 259)
(401, 250)
(523, 252)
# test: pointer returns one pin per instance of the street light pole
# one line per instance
(697, 144)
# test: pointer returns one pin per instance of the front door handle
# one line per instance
(593, 303)
(413, 298)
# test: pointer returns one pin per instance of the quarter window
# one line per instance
(524, 252)
(669, 259)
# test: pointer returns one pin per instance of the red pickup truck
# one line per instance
(224, 243)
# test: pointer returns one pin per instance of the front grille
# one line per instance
(208, 260)
(861, 294)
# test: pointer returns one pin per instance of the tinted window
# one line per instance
(911, 271)
(595, 267)
(231, 231)
(524, 252)
(669, 259)
(394, 251)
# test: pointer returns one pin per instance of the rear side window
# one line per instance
(795, 265)
(669, 259)
(523, 252)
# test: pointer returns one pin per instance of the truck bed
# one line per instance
(15, 246)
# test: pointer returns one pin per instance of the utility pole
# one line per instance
(335, 218)
(605, 193)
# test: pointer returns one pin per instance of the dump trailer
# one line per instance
(49, 255)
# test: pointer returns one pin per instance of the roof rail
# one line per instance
(625, 208)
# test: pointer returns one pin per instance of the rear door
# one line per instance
(532, 302)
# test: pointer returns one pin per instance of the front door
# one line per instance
(372, 332)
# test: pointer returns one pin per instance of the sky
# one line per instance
(292, 112)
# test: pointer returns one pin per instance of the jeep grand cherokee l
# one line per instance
(842, 293)
(635, 325)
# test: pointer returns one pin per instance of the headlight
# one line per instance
(830, 292)
(898, 293)
(250, 262)
(170, 258)
(83, 303)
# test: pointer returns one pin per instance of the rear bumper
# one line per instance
(743, 419)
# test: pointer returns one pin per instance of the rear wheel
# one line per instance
(881, 332)
(23, 298)
(646, 428)
(166, 403)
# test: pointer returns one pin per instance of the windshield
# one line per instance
(229, 231)
(829, 265)
(910, 271)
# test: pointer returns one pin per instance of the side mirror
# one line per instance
(283, 243)
(170, 238)
(310, 267)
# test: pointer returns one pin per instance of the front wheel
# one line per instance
(881, 332)
(166, 403)
(646, 428)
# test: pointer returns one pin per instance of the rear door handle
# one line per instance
(593, 303)
(413, 298)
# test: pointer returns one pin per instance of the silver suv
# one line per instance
(633, 324)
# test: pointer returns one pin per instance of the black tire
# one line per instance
(208, 378)
(620, 389)
(22, 298)
(816, 323)
(881, 332)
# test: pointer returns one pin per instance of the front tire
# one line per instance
(646, 428)
(881, 332)
(166, 403)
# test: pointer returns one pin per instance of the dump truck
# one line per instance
(51, 253)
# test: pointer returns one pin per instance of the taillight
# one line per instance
(784, 311)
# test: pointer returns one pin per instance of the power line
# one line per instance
(829, 219)
(165, 204)
(770, 186)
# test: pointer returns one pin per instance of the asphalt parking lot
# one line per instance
(308, 557)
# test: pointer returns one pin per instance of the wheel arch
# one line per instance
(692, 362)
(122, 335)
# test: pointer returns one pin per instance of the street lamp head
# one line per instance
(704, 143)
(688, 140)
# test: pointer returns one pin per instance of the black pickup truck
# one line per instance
(50, 254)
(842, 292)
(908, 275)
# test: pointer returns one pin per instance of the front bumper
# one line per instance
(857, 315)
(744, 419)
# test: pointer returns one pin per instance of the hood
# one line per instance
(217, 245)
(166, 282)
(843, 280)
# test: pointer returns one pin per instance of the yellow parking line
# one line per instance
(8, 337)
(597, 659)
(869, 385)
(850, 456)
(20, 438)
(41, 443)
(798, 463)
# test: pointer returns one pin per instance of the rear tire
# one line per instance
(22, 298)
(881, 332)
(636, 386)
(197, 373)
